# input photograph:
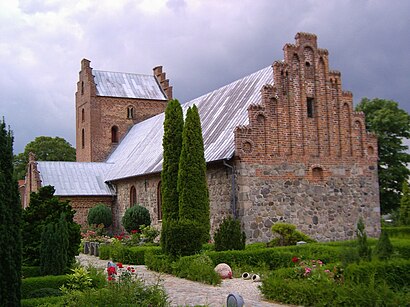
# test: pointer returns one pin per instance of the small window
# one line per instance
(82, 138)
(317, 173)
(159, 202)
(82, 87)
(133, 196)
(130, 112)
(82, 115)
(114, 134)
(310, 107)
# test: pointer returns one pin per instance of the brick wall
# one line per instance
(305, 157)
(97, 115)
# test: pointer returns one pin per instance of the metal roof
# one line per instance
(75, 178)
(119, 84)
(140, 152)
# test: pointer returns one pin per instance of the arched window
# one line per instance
(159, 202)
(82, 115)
(133, 196)
(114, 134)
(82, 87)
(130, 112)
(317, 173)
(82, 138)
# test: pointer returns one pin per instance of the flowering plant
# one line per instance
(117, 272)
(315, 271)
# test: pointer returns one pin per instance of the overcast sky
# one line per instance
(202, 46)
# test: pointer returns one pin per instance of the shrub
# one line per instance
(54, 248)
(28, 285)
(132, 255)
(196, 268)
(287, 235)
(30, 271)
(134, 217)
(43, 292)
(79, 280)
(398, 232)
(100, 214)
(401, 248)
(384, 248)
(105, 251)
(184, 238)
(158, 262)
(229, 236)
(149, 234)
(126, 293)
(364, 250)
(42, 301)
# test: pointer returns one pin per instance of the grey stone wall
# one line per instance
(219, 186)
(325, 209)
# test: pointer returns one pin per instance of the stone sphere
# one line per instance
(224, 270)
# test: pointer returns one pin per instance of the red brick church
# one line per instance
(282, 145)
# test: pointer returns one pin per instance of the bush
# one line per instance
(158, 262)
(398, 232)
(132, 255)
(43, 301)
(100, 214)
(43, 292)
(31, 284)
(196, 268)
(184, 238)
(134, 217)
(134, 293)
(401, 248)
(105, 251)
(30, 271)
(229, 236)
(363, 248)
(287, 235)
(384, 248)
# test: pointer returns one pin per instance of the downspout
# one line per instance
(233, 189)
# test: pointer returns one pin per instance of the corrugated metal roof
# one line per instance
(119, 84)
(75, 178)
(140, 152)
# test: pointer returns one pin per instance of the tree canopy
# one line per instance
(46, 149)
(391, 125)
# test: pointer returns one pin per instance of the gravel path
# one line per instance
(182, 292)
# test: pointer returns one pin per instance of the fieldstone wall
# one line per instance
(323, 209)
(148, 195)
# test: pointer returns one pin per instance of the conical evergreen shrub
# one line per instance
(229, 236)
(192, 185)
(10, 223)
(384, 248)
(172, 144)
(134, 217)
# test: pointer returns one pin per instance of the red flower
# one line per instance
(119, 264)
(129, 268)
(295, 259)
(110, 278)
(111, 270)
(134, 231)
(133, 270)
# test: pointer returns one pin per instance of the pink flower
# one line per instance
(307, 271)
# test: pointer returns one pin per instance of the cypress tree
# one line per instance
(192, 186)
(172, 144)
(10, 220)
(363, 248)
(384, 248)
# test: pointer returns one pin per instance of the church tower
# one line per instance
(108, 104)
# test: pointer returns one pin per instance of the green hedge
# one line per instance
(48, 301)
(398, 232)
(324, 293)
(132, 255)
(30, 271)
(104, 251)
(395, 273)
(32, 284)
(158, 262)
(401, 247)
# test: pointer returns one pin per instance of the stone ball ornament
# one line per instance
(224, 270)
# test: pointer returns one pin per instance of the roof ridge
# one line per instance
(121, 72)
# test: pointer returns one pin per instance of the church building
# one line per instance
(282, 145)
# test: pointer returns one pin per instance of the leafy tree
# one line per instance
(404, 213)
(172, 144)
(192, 185)
(229, 236)
(384, 248)
(46, 149)
(364, 250)
(391, 124)
(10, 220)
(45, 208)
